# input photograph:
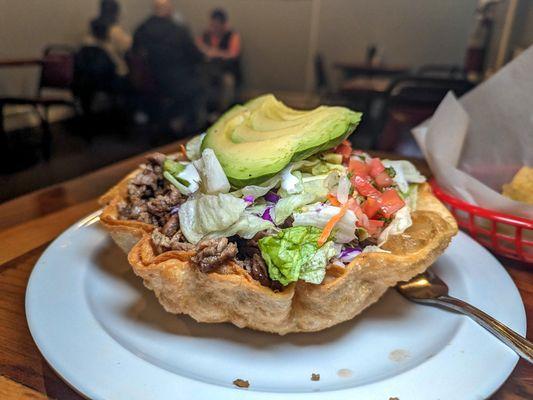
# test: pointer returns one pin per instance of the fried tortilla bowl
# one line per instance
(230, 294)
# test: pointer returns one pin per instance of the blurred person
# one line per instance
(168, 52)
(222, 48)
(106, 33)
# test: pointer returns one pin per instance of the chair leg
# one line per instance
(46, 143)
(3, 133)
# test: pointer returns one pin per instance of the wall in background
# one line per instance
(408, 32)
(276, 33)
(275, 36)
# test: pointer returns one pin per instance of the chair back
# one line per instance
(424, 91)
(409, 101)
(57, 67)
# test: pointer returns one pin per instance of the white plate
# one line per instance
(107, 336)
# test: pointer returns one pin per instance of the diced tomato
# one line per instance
(390, 202)
(383, 179)
(375, 167)
(345, 149)
(374, 227)
(333, 200)
(371, 206)
(358, 168)
(364, 188)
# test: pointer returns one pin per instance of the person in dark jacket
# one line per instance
(171, 57)
(222, 48)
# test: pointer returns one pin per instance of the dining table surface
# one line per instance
(29, 223)
(20, 62)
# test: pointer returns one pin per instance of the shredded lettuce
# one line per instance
(214, 179)
(316, 166)
(401, 221)
(318, 215)
(343, 189)
(287, 205)
(193, 147)
(406, 173)
(183, 176)
(205, 214)
(291, 183)
(294, 254)
(258, 190)
(318, 185)
(246, 227)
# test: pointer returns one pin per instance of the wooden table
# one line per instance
(371, 86)
(350, 69)
(28, 224)
(20, 62)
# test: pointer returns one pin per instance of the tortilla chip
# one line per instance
(521, 187)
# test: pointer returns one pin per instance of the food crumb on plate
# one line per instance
(241, 383)
(394, 398)
(398, 355)
(315, 377)
(344, 373)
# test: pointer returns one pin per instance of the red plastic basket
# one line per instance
(505, 234)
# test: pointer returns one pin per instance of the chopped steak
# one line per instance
(150, 197)
(249, 257)
(176, 241)
(257, 268)
(163, 203)
(171, 226)
(211, 253)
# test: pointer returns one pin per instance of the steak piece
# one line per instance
(151, 198)
(211, 253)
(176, 241)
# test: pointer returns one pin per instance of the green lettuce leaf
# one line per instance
(314, 270)
(294, 254)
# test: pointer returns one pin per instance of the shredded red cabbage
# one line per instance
(266, 214)
(249, 198)
(272, 197)
(349, 253)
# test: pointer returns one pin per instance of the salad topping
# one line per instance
(324, 210)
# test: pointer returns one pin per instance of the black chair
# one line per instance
(409, 101)
(56, 71)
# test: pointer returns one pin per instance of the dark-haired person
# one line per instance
(116, 41)
(222, 48)
(168, 51)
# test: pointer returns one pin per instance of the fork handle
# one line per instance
(518, 343)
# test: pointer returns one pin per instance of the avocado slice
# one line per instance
(255, 141)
